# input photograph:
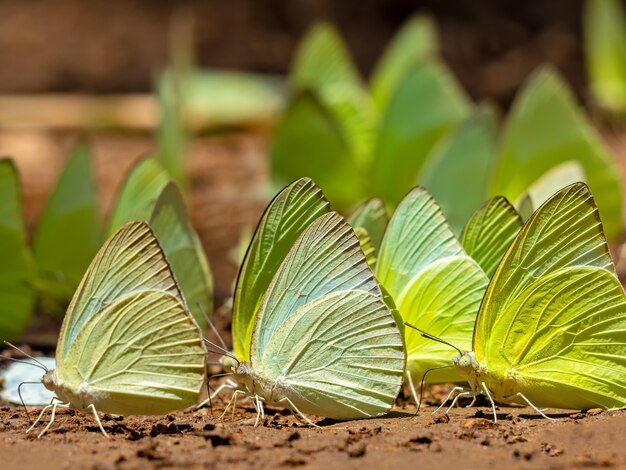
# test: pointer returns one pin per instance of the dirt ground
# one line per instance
(199, 439)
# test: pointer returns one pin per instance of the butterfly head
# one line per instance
(466, 363)
(49, 380)
(229, 363)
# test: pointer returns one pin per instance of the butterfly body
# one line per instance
(79, 396)
(503, 384)
(273, 392)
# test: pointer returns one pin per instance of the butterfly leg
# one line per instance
(44, 409)
(260, 411)
(493, 405)
(462, 394)
(234, 397)
(52, 415)
(95, 415)
(226, 385)
(297, 411)
(455, 389)
(523, 397)
(412, 387)
(473, 401)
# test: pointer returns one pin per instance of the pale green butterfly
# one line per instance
(551, 331)
(433, 282)
(128, 344)
(323, 341)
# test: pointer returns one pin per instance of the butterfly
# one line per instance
(311, 328)
(551, 330)
(128, 344)
(434, 284)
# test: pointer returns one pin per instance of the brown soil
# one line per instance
(200, 439)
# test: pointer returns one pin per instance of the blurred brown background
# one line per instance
(104, 47)
(117, 46)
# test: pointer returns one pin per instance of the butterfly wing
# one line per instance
(141, 354)
(183, 250)
(69, 231)
(373, 218)
(140, 190)
(555, 313)
(342, 354)
(435, 285)
(17, 268)
(291, 211)
(325, 311)
(490, 231)
(130, 261)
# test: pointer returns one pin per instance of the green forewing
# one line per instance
(171, 130)
(367, 247)
(130, 261)
(605, 54)
(413, 45)
(311, 141)
(490, 231)
(545, 128)
(458, 171)
(323, 59)
(291, 211)
(553, 181)
(69, 231)
(139, 192)
(183, 250)
(416, 236)
(17, 267)
(371, 216)
(424, 108)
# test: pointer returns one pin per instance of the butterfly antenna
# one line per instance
(19, 393)
(423, 381)
(433, 337)
(38, 363)
(220, 350)
(212, 326)
(216, 347)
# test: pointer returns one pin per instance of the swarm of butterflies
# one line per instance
(331, 316)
